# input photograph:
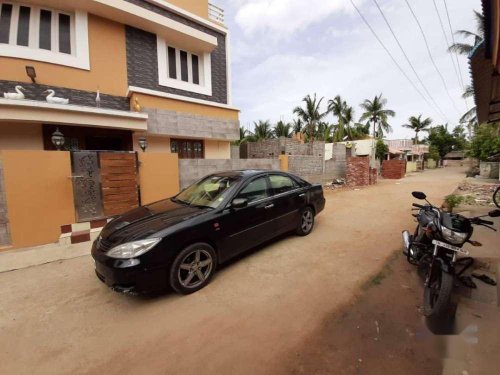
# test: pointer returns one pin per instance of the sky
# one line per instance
(282, 50)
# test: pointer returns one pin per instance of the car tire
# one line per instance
(193, 268)
(306, 222)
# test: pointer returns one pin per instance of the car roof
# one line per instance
(244, 172)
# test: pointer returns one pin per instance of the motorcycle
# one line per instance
(434, 247)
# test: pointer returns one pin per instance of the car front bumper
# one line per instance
(128, 275)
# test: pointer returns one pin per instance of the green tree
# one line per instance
(469, 118)
(442, 141)
(297, 125)
(243, 137)
(324, 131)
(376, 114)
(477, 37)
(262, 130)
(381, 149)
(338, 108)
(310, 114)
(282, 130)
(360, 131)
(417, 125)
(486, 141)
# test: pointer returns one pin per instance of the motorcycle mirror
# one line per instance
(494, 213)
(418, 195)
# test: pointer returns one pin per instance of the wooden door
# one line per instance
(118, 182)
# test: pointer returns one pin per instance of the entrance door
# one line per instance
(104, 183)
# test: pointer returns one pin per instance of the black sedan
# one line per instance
(179, 241)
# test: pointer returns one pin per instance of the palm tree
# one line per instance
(297, 125)
(324, 132)
(417, 125)
(469, 118)
(282, 130)
(478, 36)
(262, 130)
(377, 115)
(243, 137)
(311, 114)
(360, 131)
(337, 107)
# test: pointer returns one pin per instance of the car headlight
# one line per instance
(455, 238)
(132, 249)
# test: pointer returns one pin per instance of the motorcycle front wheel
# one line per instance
(437, 295)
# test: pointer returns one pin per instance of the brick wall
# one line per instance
(393, 169)
(4, 220)
(358, 171)
(272, 148)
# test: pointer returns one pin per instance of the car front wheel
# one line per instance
(306, 222)
(193, 268)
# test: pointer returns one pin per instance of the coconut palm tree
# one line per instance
(478, 36)
(243, 137)
(262, 130)
(469, 118)
(417, 125)
(376, 114)
(360, 131)
(311, 114)
(324, 131)
(337, 107)
(297, 125)
(282, 130)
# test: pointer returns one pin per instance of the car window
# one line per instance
(209, 192)
(255, 190)
(282, 184)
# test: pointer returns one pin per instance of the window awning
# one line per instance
(67, 114)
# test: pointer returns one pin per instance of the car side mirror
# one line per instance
(239, 203)
(418, 195)
(494, 213)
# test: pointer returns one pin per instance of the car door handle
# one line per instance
(269, 206)
(302, 195)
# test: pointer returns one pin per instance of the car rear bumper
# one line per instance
(128, 275)
(320, 205)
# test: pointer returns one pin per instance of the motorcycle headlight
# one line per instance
(132, 249)
(455, 238)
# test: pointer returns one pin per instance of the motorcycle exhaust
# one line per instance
(406, 242)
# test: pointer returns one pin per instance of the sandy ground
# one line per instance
(58, 318)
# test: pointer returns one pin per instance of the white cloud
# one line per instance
(284, 17)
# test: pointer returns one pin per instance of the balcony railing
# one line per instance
(215, 13)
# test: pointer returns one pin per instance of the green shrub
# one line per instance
(453, 201)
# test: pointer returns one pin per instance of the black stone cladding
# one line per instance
(86, 98)
(142, 59)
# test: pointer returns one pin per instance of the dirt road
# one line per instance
(58, 318)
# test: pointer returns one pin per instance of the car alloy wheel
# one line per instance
(195, 268)
(307, 221)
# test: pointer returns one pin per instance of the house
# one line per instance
(99, 81)
(405, 148)
(129, 69)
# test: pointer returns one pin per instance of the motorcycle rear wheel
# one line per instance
(437, 295)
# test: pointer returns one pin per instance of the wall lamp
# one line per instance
(30, 71)
(57, 139)
(143, 143)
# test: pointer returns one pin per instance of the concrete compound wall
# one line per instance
(235, 152)
(192, 170)
(310, 168)
(158, 175)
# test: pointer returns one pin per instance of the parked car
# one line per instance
(180, 241)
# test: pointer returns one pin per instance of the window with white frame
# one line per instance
(184, 70)
(44, 34)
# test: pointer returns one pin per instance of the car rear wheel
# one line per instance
(193, 268)
(306, 222)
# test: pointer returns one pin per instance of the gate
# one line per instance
(104, 183)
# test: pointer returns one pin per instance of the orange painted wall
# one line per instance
(198, 7)
(108, 63)
(283, 162)
(158, 175)
(39, 195)
(149, 101)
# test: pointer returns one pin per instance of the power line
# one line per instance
(389, 53)
(408, 60)
(430, 55)
(459, 77)
(453, 40)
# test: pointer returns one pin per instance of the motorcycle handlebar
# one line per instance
(417, 205)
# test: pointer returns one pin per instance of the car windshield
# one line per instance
(209, 192)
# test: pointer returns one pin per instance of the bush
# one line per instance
(451, 201)
(486, 141)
